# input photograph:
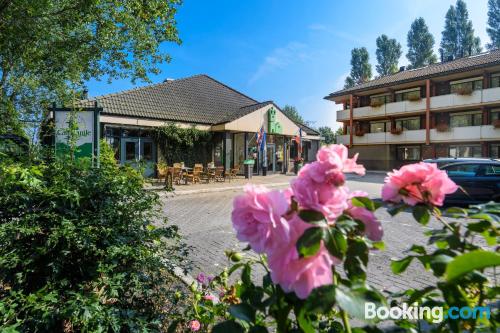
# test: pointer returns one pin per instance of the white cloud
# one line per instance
(280, 58)
(339, 34)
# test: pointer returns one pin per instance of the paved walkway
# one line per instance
(204, 219)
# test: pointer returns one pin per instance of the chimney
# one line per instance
(450, 58)
(85, 94)
(168, 80)
(402, 68)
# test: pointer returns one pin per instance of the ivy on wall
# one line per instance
(188, 145)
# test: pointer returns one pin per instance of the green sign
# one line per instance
(273, 126)
(85, 129)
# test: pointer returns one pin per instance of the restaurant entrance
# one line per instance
(271, 158)
(139, 152)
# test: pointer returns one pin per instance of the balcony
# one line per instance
(466, 134)
(449, 101)
(343, 139)
(416, 136)
(369, 138)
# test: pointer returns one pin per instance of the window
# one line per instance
(495, 80)
(492, 170)
(495, 115)
(130, 151)
(380, 126)
(465, 151)
(466, 119)
(408, 153)
(462, 170)
(380, 99)
(472, 84)
(408, 95)
(408, 124)
(147, 153)
(495, 150)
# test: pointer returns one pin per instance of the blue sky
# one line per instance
(292, 52)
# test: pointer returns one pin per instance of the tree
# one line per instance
(493, 28)
(388, 54)
(327, 134)
(292, 113)
(361, 70)
(420, 45)
(49, 48)
(458, 38)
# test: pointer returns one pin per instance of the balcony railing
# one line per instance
(437, 102)
(454, 134)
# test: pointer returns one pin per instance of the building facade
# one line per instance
(448, 109)
(128, 119)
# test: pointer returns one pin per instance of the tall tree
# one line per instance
(388, 54)
(49, 48)
(493, 28)
(361, 70)
(458, 38)
(420, 45)
(327, 134)
(293, 113)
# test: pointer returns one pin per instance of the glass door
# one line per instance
(137, 153)
(147, 157)
(271, 157)
(130, 149)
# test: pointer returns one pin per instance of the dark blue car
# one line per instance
(479, 179)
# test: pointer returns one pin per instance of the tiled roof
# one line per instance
(197, 99)
(455, 66)
(307, 129)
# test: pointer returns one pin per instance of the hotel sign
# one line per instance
(84, 124)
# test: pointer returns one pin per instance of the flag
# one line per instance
(260, 135)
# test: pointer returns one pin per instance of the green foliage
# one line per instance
(327, 134)
(388, 54)
(55, 45)
(458, 262)
(361, 70)
(80, 251)
(493, 28)
(188, 145)
(458, 38)
(420, 45)
(293, 113)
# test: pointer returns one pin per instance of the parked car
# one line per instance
(478, 178)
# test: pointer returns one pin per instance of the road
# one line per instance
(204, 221)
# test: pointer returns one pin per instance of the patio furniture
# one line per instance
(178, 174)
(162, 171)
(195, 175)
(233, 173)
(220, 176)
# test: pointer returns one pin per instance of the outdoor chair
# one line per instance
(195, 175)
(233, 173)
(177, 165)
(220, 176)
(162, 171)
(178, 176)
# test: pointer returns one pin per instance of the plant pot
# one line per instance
(415, 98)
(442, 128)
(359, 133)
(464, 91)
(496, 123)
(376, 104)
(396, 131)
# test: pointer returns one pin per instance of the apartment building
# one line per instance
(448, 109)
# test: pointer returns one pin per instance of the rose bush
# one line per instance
(303, 236)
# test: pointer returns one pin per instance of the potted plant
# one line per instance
(359, 132)
(414, 97)
(464, 91)
(396, 131)
(375, 103)
(496, 123)
(442, 127)
(299, 162)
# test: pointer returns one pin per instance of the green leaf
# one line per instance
(395, 209)
(353, 300)
(468, 262)
(229, 326)
(335, 242)
(311, 216)
(321, 300)
(399, 266)
(485, 217)
(310, 242)
(243, 312)
(304, 322)
(364, 202)
(421, 214)
(246, 275)
(438, 263)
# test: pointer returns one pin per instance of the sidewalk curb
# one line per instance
(217, 189)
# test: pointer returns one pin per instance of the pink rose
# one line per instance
(373, 227)
(257, 217)
(300, 275)
(337, 157)
(209, 298)
(194, 325)
(325, 198)
(418, 183)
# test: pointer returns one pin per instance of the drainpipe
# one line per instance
(351, 108)
(427, 111)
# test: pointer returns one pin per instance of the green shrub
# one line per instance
(79, 250)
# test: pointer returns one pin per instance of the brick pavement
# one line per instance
(204, 221)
